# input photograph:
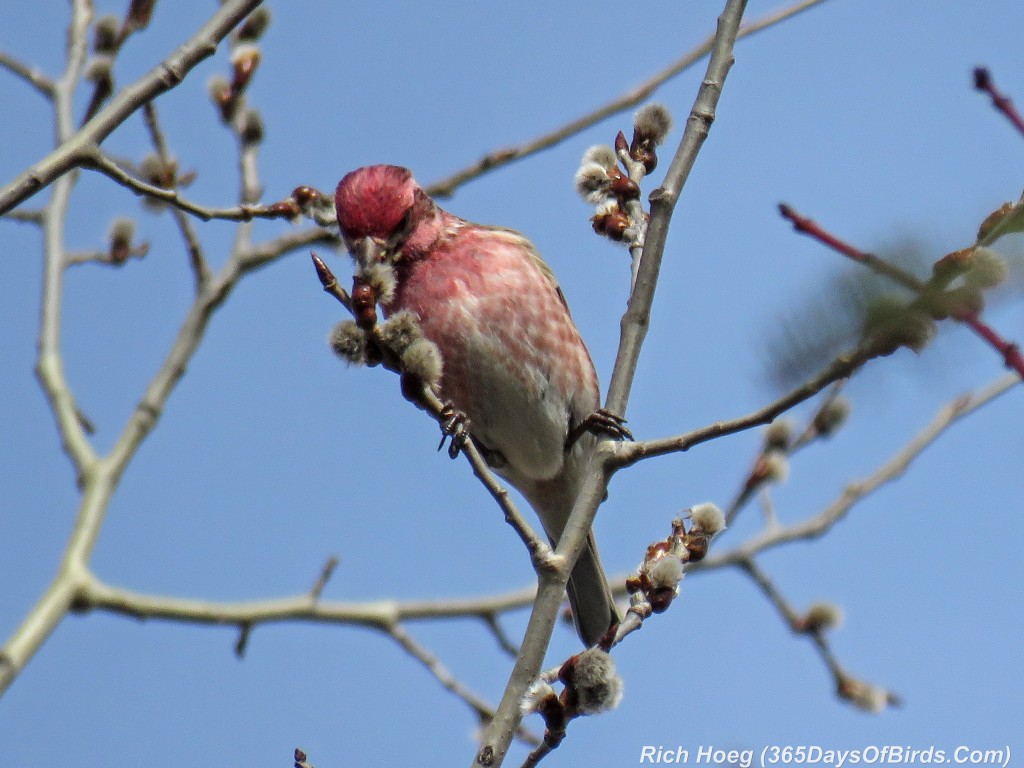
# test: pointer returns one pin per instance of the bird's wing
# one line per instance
(520, 240)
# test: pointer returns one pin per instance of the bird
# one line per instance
(513, 361)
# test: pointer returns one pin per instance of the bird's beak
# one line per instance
(365, 250)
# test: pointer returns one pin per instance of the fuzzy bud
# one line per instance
(602, 155)
(122, 233)
(652, 123)
(254, 26)
(831, 416)
(349, 342)
(890, 324)
(244, 61)
(381, 277)
(105, 34)
(777, 435)
(315, 205)
(100, 72)
(399, 331)
(592, 182)
(139, 14)
(154, 171)
(771, 467)
(822, 617)
(956, 302)
(251, 129)
(592, 682)
(707, 518)
(665, 572)
(987, 270)
(223, 97)
(869, 698)
(422, 359)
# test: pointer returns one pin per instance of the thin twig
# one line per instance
(497, 158)
(984, 83)
(31, 75)
(820, 524)
(840, 368)
(26, 215)
(1009, 351)
(196, 257)
(792, 618)
(76, 149)
(483, 710)
(100, 161)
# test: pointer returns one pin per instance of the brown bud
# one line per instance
(305, 195)
(621, 145)
(697, 544)
(364, 304)
(287, 209)
(646, 155)
(244, 61)
(992, 219)
(105, 34)
(223, 97)
(625, 188)
(660, 599)
(615, 225)
(254, 26)
(952, 264)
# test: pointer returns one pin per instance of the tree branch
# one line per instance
(820, 524)
(31, 75)
(500, 157)
(74, 150)
(552, 583)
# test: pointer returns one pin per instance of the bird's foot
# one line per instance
(454, 425)
(600, 422)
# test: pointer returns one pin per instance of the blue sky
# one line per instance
(272, 455)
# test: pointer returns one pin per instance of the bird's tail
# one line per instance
(593, 607)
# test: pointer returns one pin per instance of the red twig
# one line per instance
(1009, 351)
(983, 82)
(809, 227)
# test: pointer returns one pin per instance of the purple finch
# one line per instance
(513, 360)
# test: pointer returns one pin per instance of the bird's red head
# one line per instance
(373, 201)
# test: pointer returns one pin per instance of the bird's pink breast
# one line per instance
(505, 335)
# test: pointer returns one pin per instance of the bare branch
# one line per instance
(500, 157)
(483, 710)
(856, 491)
(844, 683)
(26, 215)
(74, 150)
(31, 75)
(98, 160)
(196, 257)
(840, 368)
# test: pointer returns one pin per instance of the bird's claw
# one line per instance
(601, 421)
(454, 425)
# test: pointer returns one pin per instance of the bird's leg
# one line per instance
(602, 422)
(454, 424)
